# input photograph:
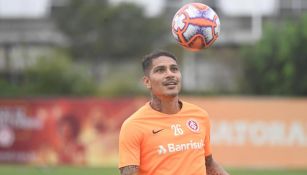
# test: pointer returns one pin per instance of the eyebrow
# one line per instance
(164, 66)
(174, 65)
(159, 67)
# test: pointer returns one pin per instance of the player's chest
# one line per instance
(174, 131)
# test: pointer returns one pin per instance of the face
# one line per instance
(65, 131)
(164, 77)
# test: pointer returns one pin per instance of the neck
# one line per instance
(167, 106)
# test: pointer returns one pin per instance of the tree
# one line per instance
(53, 75)
(277, 64)
(98, 30)
(57, 75)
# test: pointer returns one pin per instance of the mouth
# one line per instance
(170, 83)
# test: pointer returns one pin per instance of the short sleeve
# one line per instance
(208, 150)
(129, 145)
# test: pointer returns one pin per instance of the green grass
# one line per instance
(32, 170)
(267, 172)
(63, 170)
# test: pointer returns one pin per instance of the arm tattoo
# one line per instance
(213, 168)
(129, 170)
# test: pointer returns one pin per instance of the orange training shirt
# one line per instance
(166, 144)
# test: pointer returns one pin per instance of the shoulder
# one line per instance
(134, 120)
(195, 109)
(133, 128)
(140, 113)
(198, 113)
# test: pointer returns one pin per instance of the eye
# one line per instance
(174, 69)
(159, 70)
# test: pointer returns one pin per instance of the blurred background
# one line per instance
(70, 74)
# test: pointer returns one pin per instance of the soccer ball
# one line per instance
(195, 26)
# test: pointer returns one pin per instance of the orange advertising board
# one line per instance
(258, 132)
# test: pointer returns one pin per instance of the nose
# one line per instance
(170, 73)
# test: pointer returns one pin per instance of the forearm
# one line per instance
(213, 168)
(129, 170)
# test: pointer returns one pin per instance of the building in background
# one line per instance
(27, 31)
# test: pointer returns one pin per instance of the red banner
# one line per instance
(62, 131)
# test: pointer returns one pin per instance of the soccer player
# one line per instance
(167, 136)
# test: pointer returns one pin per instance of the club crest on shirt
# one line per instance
(193, 125)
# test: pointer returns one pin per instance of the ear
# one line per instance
(146, 82)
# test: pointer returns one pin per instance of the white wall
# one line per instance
(24, 8)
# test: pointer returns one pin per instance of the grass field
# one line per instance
(31, 170)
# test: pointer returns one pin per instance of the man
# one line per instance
(167, 136)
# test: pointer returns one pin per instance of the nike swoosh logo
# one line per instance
(157, 131)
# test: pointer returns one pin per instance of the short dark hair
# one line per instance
(147, 60)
